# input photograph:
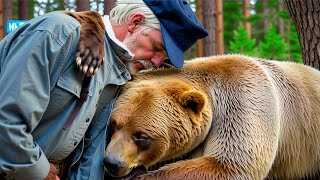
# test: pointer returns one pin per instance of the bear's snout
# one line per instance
(113, 165)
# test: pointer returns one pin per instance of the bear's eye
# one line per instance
(142, 140)
(111, 126)
(139, 136)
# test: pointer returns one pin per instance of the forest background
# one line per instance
(261, 28)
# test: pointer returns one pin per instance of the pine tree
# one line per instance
(242, 44)
(232, 15)
(272, 46)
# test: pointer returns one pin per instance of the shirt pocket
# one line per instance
(70, 84)
(65, 93)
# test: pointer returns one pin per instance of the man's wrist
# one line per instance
(39, 170)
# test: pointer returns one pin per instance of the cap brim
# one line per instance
(174, 53)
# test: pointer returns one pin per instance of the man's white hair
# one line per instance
(124, 9)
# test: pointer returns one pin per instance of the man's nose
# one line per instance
(158, 59)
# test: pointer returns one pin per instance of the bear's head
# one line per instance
(155, 120)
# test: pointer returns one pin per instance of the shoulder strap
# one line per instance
(83, 97)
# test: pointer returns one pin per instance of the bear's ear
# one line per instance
(193, 99)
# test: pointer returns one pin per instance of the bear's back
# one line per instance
(298, 88)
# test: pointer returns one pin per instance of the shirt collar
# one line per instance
(112, 36)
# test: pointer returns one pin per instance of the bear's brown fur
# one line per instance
(235, 117)
(90, 54)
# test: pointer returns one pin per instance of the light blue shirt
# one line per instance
(39, 87)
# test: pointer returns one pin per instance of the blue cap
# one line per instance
(180, 27)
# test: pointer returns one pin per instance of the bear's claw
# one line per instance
(90, 55)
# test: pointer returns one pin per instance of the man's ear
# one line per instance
(135, 20)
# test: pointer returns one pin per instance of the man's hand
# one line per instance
(90, 54)
(53, 173)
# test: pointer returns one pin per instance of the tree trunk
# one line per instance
(209, 16)
(281, 21)
(23, 9)
(246, 14)
(83, 5)
(306, 17)
(7, 13)
(1, 20)
(289, 41)
(200, 49)
(259, 25)
(219, 30)
(265, 14)
(108, 5)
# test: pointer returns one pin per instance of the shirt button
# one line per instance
(75, 143)
(88, 119)
(76, 90)
(119, 67)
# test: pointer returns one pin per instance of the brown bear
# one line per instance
(227, 117)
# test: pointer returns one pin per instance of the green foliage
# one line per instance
(284, 14)
(15, 9)
(272, 46)
(264, 44)
(273, 3)
(31, 9)
(242, 44)
(232, 15)
(269, 45)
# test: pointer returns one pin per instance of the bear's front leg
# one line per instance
(90, 54)
(196, 169)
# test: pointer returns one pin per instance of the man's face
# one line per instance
(147, 46)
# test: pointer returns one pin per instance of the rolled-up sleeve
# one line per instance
(25, 93)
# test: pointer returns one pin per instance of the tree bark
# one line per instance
(306, 17)
(200, 49)
(7, 13)
(23, 9)
(83, 5)
(209, 16)
(281, 21)
(108, 5)
(259, 26)
(246, 14)
(265, 14)
(1, 20)
(219, 30)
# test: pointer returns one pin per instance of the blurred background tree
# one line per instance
(242, 43)
(273, 45)
(261, 28)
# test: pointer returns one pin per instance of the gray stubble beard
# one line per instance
(128, 42)
(130, 64)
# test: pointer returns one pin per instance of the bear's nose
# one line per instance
(113, 165)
